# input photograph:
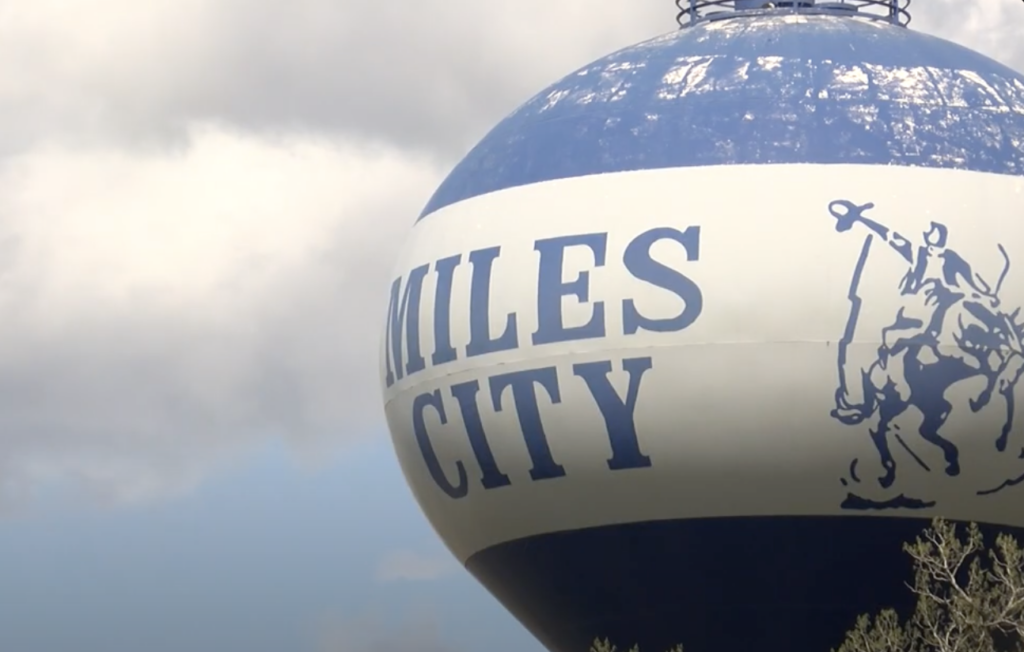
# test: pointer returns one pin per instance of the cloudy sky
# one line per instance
(199, 205)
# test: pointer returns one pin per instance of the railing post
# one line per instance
(693, 11)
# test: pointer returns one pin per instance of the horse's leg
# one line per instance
(880, 436)
(1008, 425)
(935, 415)
(1007, 385)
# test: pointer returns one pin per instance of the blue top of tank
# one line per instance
(760, 89)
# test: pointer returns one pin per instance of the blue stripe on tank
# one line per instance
(786, 584)
(817, 89)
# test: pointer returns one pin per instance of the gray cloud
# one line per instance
(433, 75)
(427, 74)
(992, 27)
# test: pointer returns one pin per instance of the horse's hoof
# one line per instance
(953, 469)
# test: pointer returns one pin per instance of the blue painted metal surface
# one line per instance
(781, 584)
(756, 90)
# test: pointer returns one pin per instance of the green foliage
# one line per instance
(607, 646)
(969, 599)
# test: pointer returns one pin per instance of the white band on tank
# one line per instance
(707, 342)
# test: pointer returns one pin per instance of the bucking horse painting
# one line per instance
(949, 326)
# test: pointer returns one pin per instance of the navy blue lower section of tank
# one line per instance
(791, 584)
(825, 90)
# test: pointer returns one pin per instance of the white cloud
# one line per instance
(407, 565)
(161, 309)
(427, 74)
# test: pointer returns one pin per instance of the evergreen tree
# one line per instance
(606, 646)
(969, 598)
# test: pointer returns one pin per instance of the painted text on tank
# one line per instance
(404, 346)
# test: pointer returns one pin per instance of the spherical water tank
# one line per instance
(690, 343)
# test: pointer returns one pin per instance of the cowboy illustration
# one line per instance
(950, 326)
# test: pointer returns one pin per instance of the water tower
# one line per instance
(690, 343)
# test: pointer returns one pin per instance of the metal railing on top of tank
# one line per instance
(692, 12)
